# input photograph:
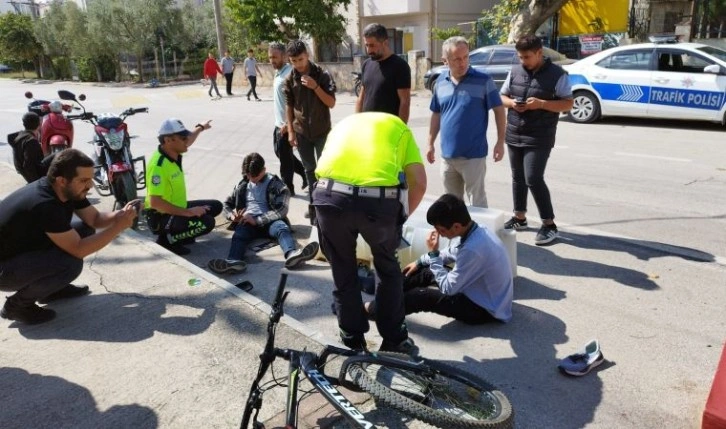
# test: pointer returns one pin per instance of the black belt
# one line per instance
(362, 191)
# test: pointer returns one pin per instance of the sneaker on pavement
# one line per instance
(581, 363)
(224, 266)
(546, 234)
(407, 347)
(299, 256)
(516, 223)
(353, 342)
(69, 291)
(31, 315)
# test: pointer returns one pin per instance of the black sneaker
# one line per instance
(176, 248)
(31, 315)
(516, 224)
(70, 291)
(407, 347)
(546, 234)
(300, 256)
(353, 342)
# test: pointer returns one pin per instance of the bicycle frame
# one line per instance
(307, 362)
(311, 364)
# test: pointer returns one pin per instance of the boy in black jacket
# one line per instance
(258, 208)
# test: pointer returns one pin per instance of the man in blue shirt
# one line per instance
(479, 287)
(460, 104)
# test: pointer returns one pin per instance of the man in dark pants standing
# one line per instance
(479, 287)
(40, 251)
(369, 160)
(228, 70)
(168, 213)
(310, 94)
(289, 164)
(385, 76)
(536, 92)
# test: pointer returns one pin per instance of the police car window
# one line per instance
(682, 62)
(714, 52)
(479, 57)
(503, 57)
(627, 60)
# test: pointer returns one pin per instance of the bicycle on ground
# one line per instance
(425, 389)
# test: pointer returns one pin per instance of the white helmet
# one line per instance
(56, 107)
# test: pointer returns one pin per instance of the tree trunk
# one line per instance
(140, 65)
(529, 19)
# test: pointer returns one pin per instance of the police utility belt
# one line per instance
(392, 192)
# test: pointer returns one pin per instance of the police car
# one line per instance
(652, 80)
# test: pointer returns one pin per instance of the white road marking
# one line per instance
(645, 155)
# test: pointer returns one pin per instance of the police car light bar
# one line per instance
(663, 38)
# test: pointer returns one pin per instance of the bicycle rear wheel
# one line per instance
(437, 393)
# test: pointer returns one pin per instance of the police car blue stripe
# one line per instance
(708, 100)
(627, 93)
(578, 79)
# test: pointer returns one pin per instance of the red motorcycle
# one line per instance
(118, 173)
(56, 130)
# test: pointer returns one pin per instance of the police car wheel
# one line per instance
(585, 108)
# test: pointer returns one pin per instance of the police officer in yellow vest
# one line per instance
(370, 170)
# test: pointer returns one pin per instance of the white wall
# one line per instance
(396, 7)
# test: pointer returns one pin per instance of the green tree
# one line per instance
(50, 31)
(268, 20)
(131, 25)
(18, 44)
(511, 19)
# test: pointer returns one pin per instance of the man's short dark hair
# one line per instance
(253, 164)
(277, 46)
(65, 163)
(529, 42)
(448, 210)
(375, 30)
(31, 121)
(250, 51)
(296, 47)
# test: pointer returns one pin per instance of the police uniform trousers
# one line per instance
(340, 218)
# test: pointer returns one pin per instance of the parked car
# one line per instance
(496, 61)
(651, 80)
(5, 69)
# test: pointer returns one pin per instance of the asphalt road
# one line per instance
(640, 264)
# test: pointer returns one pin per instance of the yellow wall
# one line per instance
(576, 17)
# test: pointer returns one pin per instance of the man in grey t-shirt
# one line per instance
(228, 69)
(251, 69)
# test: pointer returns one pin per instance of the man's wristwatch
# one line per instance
(200, 126)
(434, 254)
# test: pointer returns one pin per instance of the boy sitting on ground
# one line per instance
(258, 208)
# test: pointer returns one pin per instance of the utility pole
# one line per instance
(221, 45)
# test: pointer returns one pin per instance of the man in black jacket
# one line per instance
(535, 92)
(27, 153)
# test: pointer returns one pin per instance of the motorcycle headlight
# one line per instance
(115, 139)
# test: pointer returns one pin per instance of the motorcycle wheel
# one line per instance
(356, 89)
(124, 188)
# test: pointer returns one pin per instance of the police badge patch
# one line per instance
(156, 180)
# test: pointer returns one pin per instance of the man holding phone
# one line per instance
(42, 249)
(536, 92)
(460, 107)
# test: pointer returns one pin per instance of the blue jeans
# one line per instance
(244, 234)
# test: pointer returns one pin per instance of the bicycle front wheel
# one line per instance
(435, 393)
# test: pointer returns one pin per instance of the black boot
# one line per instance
(31, 314)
